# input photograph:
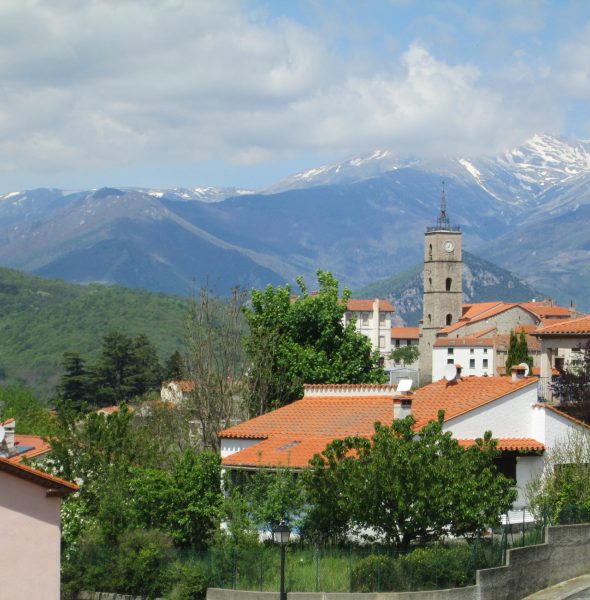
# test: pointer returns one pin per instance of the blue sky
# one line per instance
(167, 93)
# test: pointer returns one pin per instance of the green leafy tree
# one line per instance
(560, 492)
(405, 486)
(573, 386)
(184, 502)
(31, 414)
(406, 355)
(300, 340)
(127, 367)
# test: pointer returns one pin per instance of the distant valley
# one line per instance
(527, 210)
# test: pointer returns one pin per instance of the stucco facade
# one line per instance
(30, 527)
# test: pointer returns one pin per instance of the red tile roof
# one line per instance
(563, 414)
(464, 341)
(511, 444)
(579, 326)
(294, 432)
(37, 444)
(357, 304)
(55, 485)
(405, 333)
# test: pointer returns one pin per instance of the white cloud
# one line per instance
(95, 83)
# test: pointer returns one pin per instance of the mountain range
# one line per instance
(527, 210)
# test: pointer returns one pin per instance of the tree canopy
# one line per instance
(405, 486)
(573, 387)
(303, 339)
(518, 351)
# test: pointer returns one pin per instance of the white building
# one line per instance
(373, 320)
(506, 406)
(474, 355)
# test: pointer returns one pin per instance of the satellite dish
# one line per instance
(2, 434)
(450, 372)
(404, 385)
(525, 367)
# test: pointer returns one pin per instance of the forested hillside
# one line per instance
(40, 319)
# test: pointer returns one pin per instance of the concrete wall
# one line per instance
(564, 555)
(466, 593)
(30, 548)
(109, 596)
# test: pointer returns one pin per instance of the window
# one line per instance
(365, 319)
(448, 283)
(397, 343)
(485, 363)
(408, 342)
(429, 319)
(381, 318)
(507, 466)
(449, 319)
(430, 252)
(450, 361)
(430, 282)
(381, 341)
(472, 363)
(485, 350)
(450, 351)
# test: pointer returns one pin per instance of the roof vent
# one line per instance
(519, 371)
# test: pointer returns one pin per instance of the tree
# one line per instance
(405, 486)
(75, 384)
(406, 355)
(573, 386)
(174, 369)
(214, 362)
(518, 351)
(293, 341)
(127, 367)
(31, 414)
(560, 492)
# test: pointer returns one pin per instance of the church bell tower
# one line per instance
(443, 286)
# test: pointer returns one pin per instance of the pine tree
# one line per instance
(523, 351)
(174, 370)
(75, 385)
(512, 358)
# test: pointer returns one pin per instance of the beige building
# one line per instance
(30, 503)
(373, 319)
(558, 344)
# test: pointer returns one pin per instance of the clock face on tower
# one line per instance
(449, 246)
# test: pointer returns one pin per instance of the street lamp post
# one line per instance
(281, 536)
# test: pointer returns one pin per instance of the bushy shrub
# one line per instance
(434, 567)
(187, 580)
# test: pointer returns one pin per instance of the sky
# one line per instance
(185, 93)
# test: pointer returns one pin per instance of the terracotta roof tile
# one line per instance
(464, 341)
(314, 420)
(563, 414)
(511, 444)
(38, 446)
(579, 326)
(55, 485)
(358, 304)
(406, 333)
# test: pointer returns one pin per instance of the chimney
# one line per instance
(402, 407)
(9, 428)
(459, 368)
(518, 372)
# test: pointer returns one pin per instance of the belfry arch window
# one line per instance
(449, 319)
(429, 320)
(430, 282)
(448, 283)
(430, 252)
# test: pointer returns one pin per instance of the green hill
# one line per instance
(41, 318)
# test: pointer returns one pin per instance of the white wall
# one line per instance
(527, 467)
(462, 355)
(232, 445)
(507, 417)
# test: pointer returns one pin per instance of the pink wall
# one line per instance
(30, 540)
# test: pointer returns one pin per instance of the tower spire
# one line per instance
(442, 222)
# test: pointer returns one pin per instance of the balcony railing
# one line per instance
(449, 228)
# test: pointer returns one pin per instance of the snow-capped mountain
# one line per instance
(527, 209)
